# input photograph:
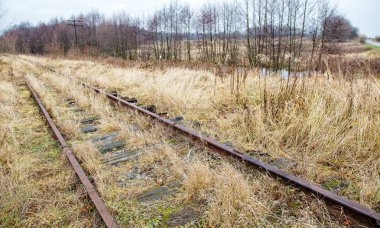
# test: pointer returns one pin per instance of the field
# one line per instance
(323, 128)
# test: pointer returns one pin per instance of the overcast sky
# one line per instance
(364, 14)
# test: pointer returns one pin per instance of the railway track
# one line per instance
(90, 189)
(357, 212)
(353, 211)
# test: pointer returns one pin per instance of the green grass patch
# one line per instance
(43, 144)
(372, 47)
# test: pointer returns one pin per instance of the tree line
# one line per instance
(277, 34)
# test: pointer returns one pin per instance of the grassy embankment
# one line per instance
(372, 47)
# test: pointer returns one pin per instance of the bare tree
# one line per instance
(278, 34)
(186, 18)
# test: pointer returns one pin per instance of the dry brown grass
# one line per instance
(37, 187)
(199, 182)
(328, 125)
(8, 99)
(235, 202)
(233, 198)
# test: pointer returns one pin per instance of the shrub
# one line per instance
(362, 39)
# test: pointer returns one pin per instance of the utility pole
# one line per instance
(26, 48)
(75, 23)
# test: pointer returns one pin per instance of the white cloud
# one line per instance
(364, 14)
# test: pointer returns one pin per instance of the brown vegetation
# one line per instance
(37, 187)
(325, 124)
(293, 35)
(225, 195)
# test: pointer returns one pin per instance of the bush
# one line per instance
(377, 38)
(362, 39)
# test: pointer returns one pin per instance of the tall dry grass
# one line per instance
(37, 187)
(226, 195)
(328, 125)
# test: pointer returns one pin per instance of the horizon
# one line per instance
(44, 11)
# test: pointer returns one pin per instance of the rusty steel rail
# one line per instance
(92, 193)
(352, 209)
